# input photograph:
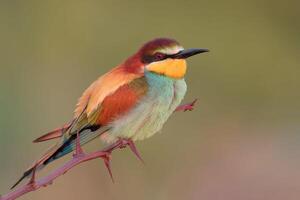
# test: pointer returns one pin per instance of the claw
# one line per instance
(134, 150)
(106, 158)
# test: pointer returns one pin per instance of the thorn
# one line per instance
(194, 102)
(134, 150)
(47, 184)
(106, 159)
(78, 150)
(32, 179)
(190, 106)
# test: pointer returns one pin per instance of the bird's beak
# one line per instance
(188, 53)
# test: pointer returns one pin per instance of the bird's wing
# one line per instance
(111, 95)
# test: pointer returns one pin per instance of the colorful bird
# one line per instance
(129, 103)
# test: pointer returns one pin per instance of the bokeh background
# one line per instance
(241, 142)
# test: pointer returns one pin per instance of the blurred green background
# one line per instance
(241, 142)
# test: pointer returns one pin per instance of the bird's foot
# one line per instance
(187, 107)
(123, 143)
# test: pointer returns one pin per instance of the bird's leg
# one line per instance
(186, 107)
(78, 150)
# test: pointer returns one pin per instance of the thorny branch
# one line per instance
(80, 157)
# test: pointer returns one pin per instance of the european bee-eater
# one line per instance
(131, 102)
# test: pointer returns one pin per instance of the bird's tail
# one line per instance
(38, 165)
(65, 146)
(25, 175)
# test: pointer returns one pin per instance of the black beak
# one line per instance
(188, 53)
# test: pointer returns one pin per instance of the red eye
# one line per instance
(159, 56)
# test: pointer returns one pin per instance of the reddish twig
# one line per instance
(76, 160)
(80, 157)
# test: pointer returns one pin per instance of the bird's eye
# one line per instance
(159, 56)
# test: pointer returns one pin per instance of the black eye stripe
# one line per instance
(156, 57)
(147, 59)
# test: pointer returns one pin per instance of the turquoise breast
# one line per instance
(150, 114)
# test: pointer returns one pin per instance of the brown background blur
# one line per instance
(241, 142)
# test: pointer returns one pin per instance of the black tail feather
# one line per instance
(65, 148)
(25, 175)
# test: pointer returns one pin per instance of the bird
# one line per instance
(129, 103)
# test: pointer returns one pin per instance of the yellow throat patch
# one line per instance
(174, 68)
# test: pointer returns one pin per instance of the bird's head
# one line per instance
(163, 56)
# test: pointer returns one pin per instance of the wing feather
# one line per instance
(122, 100)
(111, 95)
(101, 88)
